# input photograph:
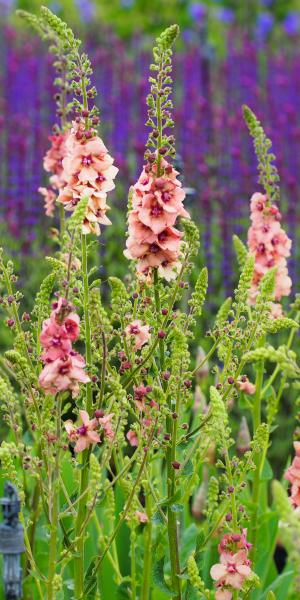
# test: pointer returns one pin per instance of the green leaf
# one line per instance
(159, 578)
(176, 508)
(157, 518)
(188, 469)
(280, 586)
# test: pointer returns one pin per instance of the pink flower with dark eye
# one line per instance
(293, 476)
(232, 570)
(71, 324)
(139, 332)
(55, 340)
(64, 374)
(85, 435)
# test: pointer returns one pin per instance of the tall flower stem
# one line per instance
(145, 592)
(54, 508)
(84, 476)
(256, 417)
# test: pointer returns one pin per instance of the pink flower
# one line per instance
(232, 570)
(64, 373)
(105, 422)
(222, 594)
(140, 333)
(55, 154)
(270, 245)
(88, 171)
(293, 476)
(50, 198)
(85, 435)
(245, 386)
(53, 164)
(157, 202)
(55, 340)
(132, 438)
(141, 516)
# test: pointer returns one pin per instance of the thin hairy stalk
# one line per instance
(54, 507)
(147, 563)
(84, 474)
(256, 419)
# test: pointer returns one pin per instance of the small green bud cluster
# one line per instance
(158, 101)
(268, 175)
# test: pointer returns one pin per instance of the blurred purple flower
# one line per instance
(226, 15)
(264, 25)
(291, 23)
(127, 3)
(6, 7)
(86, 9)
(197, 11)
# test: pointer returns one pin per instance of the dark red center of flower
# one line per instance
(134, 329)
(162, 236)
(231, 568)
(64, 369)
(156, 210)
(82, 430)
(87, 161)
(154, 248)
(100, 179)
(166, 196)
(261, 248)
(260, 206)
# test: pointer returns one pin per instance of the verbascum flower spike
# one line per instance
(157, 198)
(267, 241)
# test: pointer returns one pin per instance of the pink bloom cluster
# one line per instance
(271, 246)
(85, 435)
(293, 475)
(88, 171)
(156, 203)
(64, 368)
(234, 566)
(53, 164)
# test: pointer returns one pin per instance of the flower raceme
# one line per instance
(63, 367)
(271, 246)
(88, 171)
(234, 566)
(157, 202)
(293, 476)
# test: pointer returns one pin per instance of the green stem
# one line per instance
(55, 508)
(133, 563)
(158, 318)
(145, 592)
(84, 477)
(171, 427)
(62, 220)
(256, 417)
